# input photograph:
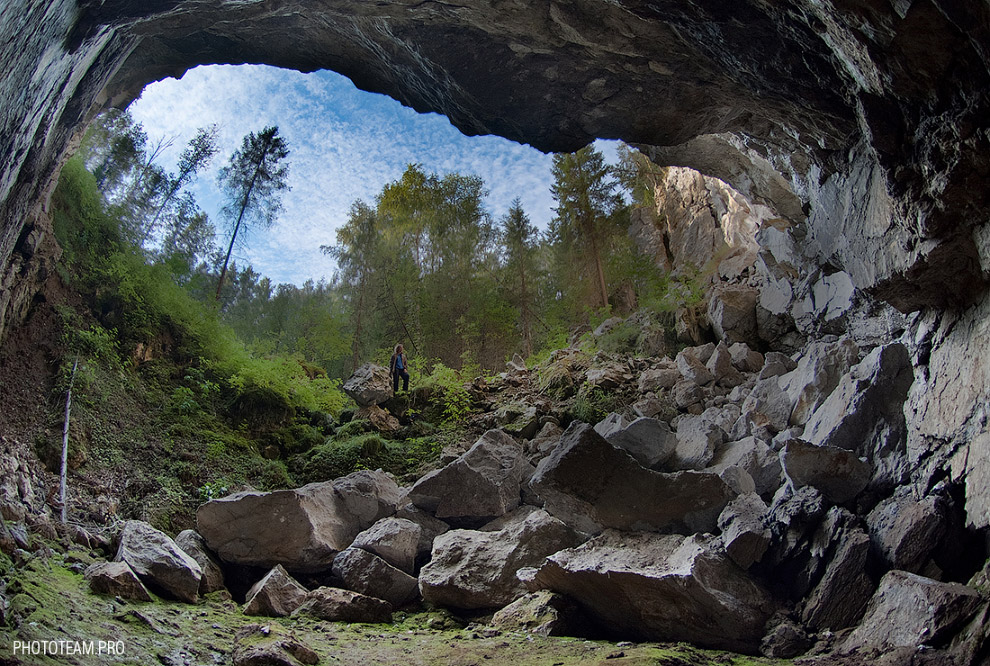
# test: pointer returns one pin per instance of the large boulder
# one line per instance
(270, 645)
(302, 529)
(429, 528)
(158, 561)
(756, 458)
(908, 610)
(195, 546)
(116, 579)
(482, 484)
(663, 588)
(722, 369)
(732, 313)
(744, 534)
(904, 531)
(275, 595)
(336, 605)
(839, 598)
(865, 412)
(544, 613)
(818, 372)
(693, 368)
(649, 441)
(767, 406)
(591, 485)
(474, 569)
(365, 572)
(839, 474)
(369, 385)
(698, 438)
(395, 540)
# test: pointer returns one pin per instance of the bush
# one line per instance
(591, 406)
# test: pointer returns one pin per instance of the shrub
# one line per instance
(592, 405)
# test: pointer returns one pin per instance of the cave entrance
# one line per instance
(345, 144)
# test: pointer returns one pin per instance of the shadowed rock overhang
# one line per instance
(865, 123)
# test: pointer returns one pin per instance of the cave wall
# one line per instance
(865, 124)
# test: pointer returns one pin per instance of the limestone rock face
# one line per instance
(275, 595)
(477, 569)
(315, 522)
(369, 385)
(155, 557)
(645, 585)
(479, 486)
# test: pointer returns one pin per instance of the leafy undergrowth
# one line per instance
(50, 602)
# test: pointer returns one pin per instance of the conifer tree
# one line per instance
(253, 183)
(587, 202)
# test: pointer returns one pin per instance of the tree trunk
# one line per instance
(596, 256)
(63, 480)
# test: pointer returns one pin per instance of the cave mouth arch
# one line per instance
(872, 119)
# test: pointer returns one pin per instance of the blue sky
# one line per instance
(345, 144)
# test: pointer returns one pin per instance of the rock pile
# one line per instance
(766, 513)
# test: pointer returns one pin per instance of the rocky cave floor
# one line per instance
(51, 595)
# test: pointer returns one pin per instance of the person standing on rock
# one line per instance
(397, 368)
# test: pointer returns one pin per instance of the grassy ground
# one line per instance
(51, 602)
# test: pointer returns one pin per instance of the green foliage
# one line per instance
(592, 405)
(621, 339)
(446, 385)
(407, 458)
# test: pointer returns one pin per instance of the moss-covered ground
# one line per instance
(49, 601)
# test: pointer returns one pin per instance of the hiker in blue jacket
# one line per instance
(397, 368)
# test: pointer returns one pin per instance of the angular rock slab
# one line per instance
(155, 557)
(591, 485)
(270, 645)
(302, 529)
(195, 546)
(865, 404)
(663, 588)
(649, 441)
(336, 605)
(477, 569)
(369, 385)
(365, 572)
(838, 473)
(744, 535)
(395, 540)
(275, 595)
(477, 487)
(544, 613)
(116, 579)
(909, 610)
(905, 532)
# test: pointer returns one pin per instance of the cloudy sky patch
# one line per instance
(345, 145)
